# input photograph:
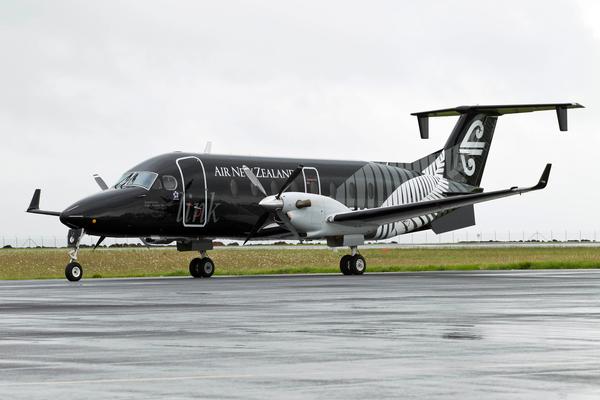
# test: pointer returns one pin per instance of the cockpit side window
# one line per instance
(157, 185)
(169, 182)
(122, 180)
(143, 179)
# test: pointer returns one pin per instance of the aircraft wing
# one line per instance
(386, 215)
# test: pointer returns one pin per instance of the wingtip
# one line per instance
(545, 177)
(35, 200)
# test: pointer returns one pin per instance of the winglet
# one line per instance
(35, 201)
(34, 205)
(544, 178)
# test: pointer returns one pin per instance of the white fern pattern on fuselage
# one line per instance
(429, 186)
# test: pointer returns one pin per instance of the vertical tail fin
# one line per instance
(468, 146)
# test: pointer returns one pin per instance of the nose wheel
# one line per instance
(202, 267)
(74, 270)
(354, 264)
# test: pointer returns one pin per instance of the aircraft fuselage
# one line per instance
(213, 198)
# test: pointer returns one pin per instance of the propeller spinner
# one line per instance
(272, 204)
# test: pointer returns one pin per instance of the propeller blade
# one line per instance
(288, 224)
(257, 226)
(254, 180)
(99, 242)
(208, 147)
(100, 182)
(289, 181)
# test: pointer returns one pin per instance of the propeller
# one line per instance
(100, 182)
(290, 180)
(272, 205)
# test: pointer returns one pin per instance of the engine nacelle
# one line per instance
(308, 213)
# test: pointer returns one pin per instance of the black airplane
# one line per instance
(192, 198)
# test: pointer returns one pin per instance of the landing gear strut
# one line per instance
(74, 270)
(354, 264)
(202, 267)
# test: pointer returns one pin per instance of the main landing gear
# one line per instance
(353, 264)
(202, 267)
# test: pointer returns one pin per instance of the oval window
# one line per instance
(234, 187)
(370, 190)
(169, 182)
(274, 187)
(352, 190)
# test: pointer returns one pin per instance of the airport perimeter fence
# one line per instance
(418, 238)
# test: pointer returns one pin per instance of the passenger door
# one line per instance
(195, 195)
(312, 183)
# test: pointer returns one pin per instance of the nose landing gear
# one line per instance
(74, 270)
(354, 264)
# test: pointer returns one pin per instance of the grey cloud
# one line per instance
(98, 86)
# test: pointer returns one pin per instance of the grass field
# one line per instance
(50, 263)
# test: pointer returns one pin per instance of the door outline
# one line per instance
(318, 179)
(205, 219)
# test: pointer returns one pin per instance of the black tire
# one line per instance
(206, 267)
(194, 268)
(345, 264)
(358, 265)
(74, 271)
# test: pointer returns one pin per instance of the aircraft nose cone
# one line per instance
(271, 203)
(72, 217)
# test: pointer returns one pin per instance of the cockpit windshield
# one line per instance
(143, 179)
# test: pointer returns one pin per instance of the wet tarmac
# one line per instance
(455, 335)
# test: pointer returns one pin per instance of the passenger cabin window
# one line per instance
(370, 190)
(169, 182)
(234, 188)
(253, 190)
(352, 191)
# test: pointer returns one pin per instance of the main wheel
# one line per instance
(194, 268)
(345, 264)
(206, 267)
(358, 265)
(74, 271)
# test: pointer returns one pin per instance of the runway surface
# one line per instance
(459, 335)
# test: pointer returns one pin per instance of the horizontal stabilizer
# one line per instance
(495, 110)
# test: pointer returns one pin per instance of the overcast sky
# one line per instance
(98, 86)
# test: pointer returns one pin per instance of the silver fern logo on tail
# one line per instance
(471, 146)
